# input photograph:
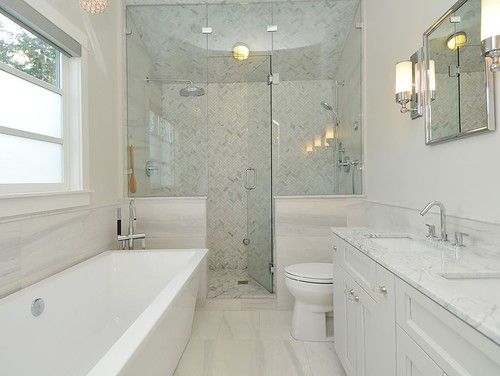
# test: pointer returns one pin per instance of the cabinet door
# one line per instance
(344, 321)
(375, 335)
(412, 360)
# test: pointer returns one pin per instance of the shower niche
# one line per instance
(240, 103)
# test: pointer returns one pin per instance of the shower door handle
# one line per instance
(250, 179)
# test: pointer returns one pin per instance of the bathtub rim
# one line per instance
(116, 358)
(122, 351)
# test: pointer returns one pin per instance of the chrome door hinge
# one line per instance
(206, 30)
(273, 79)
(271, 268)
(359, 25)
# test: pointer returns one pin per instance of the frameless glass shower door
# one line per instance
(239, 200)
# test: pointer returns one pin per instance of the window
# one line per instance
(39, 95)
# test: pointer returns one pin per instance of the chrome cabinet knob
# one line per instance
(356, 299)
(382, 290)
(334, 249)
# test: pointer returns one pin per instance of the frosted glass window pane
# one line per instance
(29, 107)
(25, 161)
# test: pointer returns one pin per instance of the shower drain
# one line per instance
(242, 282)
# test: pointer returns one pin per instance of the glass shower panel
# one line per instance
(239, 211)
(314, 53)
(168, 130)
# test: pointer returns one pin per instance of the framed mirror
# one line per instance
(459, 86)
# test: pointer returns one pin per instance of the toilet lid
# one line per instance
(311, 272)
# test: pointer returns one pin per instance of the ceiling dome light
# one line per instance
(456, 41)
(241, 51)
(94, 6)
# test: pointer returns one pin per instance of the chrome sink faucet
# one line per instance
(444, 235)
(128, 240)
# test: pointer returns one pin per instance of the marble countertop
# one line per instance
(476, 301)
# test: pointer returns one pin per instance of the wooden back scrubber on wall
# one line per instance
(132, 183)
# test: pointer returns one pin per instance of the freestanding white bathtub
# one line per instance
(119, 313)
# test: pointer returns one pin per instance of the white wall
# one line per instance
(400, 169)
(35, 246)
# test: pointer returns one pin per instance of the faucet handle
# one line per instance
(459, 238)
(431, 231)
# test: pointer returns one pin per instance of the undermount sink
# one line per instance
(403, 244)
(480, 284)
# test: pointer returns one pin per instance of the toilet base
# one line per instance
(308, 325)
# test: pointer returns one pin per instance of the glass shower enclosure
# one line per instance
(284, 121)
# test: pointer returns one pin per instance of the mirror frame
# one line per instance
(490, 88)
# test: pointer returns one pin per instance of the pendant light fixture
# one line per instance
(94, 6)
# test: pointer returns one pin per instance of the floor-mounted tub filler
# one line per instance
(119, 313)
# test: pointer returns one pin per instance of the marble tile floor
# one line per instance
(223, 283)
(250, 343)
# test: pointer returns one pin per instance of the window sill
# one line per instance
(32, 203)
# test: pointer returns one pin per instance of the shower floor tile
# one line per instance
(233, 284)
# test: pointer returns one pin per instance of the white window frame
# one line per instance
(22, 199)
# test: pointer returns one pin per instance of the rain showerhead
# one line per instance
(192, 91)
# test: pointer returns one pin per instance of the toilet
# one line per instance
(312, 287)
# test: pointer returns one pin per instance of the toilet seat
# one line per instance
(318, 273)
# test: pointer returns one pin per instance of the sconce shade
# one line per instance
(317, 142)
(432, 75)
(404, 71)
(490, 24)
(329, 135)
(309, 148)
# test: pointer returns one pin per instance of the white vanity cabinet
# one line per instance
(385, 327)
(364, 313)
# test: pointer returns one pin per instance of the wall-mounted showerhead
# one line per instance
(191, 90)
(327, 106)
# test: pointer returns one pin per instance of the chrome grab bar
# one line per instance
(253, 172)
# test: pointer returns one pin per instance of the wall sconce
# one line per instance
(309, 148)
(317, 142)
(432, 79)
(490, 32)
(409, 85)
(329, 135)
(404, 84)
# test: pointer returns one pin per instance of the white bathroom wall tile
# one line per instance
(10, 257)
(239, 325)
(186, 242)
(323, 359)
(51, 243)
(100, 228)
(206, 324)
(164, 218)
(310, 216)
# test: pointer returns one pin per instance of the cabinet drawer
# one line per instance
(455, 346)
(412, 360)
